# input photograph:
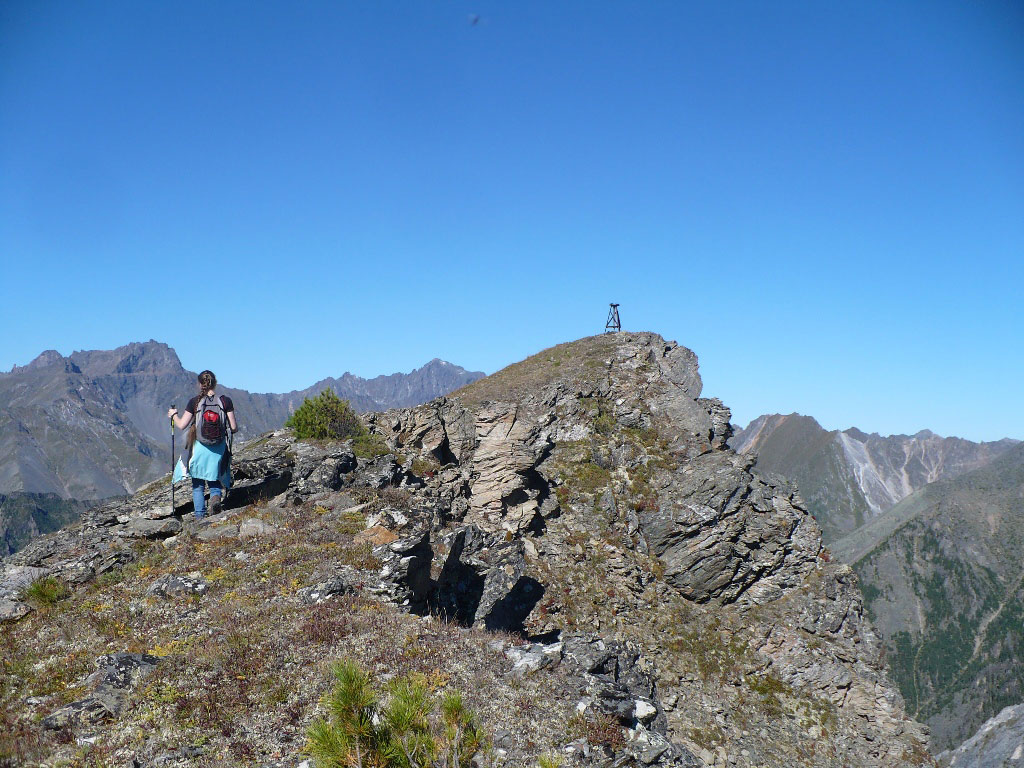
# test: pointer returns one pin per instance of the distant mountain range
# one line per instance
(93, 424)
(934, 528)
(849, 477)
(943, 579)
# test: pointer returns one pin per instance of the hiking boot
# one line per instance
(215, 505)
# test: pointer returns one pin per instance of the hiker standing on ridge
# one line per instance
(206, 458)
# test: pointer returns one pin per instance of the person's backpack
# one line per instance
(211, 420)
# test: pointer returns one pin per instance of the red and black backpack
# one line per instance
(211, 420)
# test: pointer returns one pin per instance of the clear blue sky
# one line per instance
(824, 200)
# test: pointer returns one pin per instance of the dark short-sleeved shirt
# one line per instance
(194, 403)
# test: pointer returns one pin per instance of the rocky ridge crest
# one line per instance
(583, 499)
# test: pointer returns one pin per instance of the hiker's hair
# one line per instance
(207, 381)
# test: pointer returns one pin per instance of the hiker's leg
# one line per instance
(215, 495)
(199, 497)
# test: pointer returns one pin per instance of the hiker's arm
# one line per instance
(232, 422)
(180, 421)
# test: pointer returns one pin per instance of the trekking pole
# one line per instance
(172, 462)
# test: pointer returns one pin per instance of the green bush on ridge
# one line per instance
(326, 417)
(403, 732)
(47, 591)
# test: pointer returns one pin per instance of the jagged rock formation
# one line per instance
(679, 609)
(92, 425)
(944, 582)
(848, 477)
(999, 743)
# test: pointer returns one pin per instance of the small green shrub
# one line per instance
(351, 522)
(769, 688)
(325, 417)
(425, 467)
(603, 413)
(591, 476)
(367, 446)
(404, 732)
(47, 591)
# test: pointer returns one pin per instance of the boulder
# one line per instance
(504, 486)
(12, 610)
(404, 576)
(115, 675)
(381, 472)
(253, 527)
(157, 512)
(531, 658)
(338, 584)
(614, 679)
(320, 468)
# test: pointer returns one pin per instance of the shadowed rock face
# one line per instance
(586, 500)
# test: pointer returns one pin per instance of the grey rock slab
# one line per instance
(654, 749)
(12, 610)
(325, 590)
(15, 579)
(141, 527)
(122, 670)
(999, 743)
(170, 585)
(158, 512)
(254, 527)
(77, 573)
(724, 530)
(529, 659)
(619, 680)
(381, 472)
(98, 707)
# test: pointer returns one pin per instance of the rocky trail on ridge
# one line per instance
(569, 542)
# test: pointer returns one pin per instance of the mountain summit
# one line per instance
(570, 543)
